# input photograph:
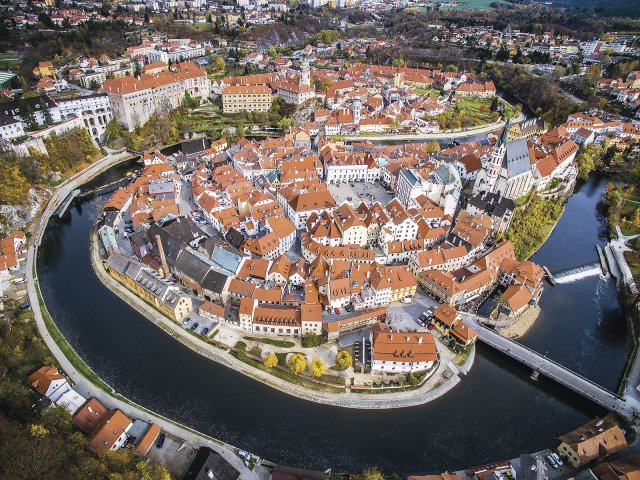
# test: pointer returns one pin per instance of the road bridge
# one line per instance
(553, 370)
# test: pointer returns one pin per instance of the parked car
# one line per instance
(204, 331)
(25, 306)
(557, 458)
(406, 300)
(186, 322)
(19, 280)
(160, 441)
(194, 326)
(336, 311)
(128, 222)
(129, 230)
(552, 461)
(187, 291)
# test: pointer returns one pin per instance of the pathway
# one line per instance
(444, 135)
(80, 382)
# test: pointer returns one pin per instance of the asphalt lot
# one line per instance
(193, 318)
(404, 315)
(175, 454)
(360, 192)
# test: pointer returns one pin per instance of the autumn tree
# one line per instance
(270, 360)
(318, 367)
(297, 363)
(344, 360)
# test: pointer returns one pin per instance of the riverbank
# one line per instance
(521, 324)
(84, 379)
(429, 391)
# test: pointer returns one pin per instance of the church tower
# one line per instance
(357, 110)
(494, 166)
(305, 76)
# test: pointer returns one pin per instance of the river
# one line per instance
(496, 412)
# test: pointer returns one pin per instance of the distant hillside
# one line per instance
(617, 8)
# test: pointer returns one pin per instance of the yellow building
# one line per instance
(403, 283)
(150, 286)
(45, 69)
(592, 441)
(249, 98)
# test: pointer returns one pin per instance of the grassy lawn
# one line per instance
(286, 375)
(462, 356)
(428, 92)
(633, 259)
(272, 341)
(201, 27)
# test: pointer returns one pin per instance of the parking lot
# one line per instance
(360, 192)
(404, 315)
(197, 324)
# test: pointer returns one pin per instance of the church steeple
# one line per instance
(497, 156)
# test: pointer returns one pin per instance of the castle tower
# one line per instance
(357, 110)
(305, 77)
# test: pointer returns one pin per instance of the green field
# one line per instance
(428, 92)
(200, 27)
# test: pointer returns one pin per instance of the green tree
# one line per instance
(344, 360)
(26, 114)
(46, 113)
(318, 367)
(328, 36)
(270, 360)
(297, 363)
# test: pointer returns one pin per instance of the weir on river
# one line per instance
(578, 273)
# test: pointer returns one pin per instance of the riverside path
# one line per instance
(624, 405)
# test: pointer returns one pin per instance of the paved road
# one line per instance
(402, 399)
(445, 135)
(625, 406)
(81, 383)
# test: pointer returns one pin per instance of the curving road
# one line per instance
(83, 385)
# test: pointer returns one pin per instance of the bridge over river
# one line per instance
(623, 405)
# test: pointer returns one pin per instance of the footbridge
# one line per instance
(553, 370)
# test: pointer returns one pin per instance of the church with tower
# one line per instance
(300, 91)
(509, 171)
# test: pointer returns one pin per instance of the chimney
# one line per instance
(163, 259)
